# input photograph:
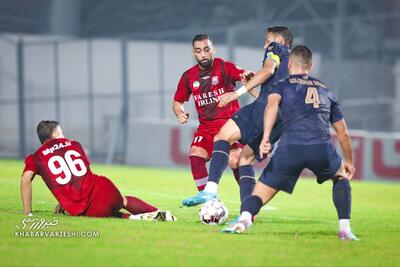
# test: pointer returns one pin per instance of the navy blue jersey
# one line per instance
(280, 54)
(307, 109)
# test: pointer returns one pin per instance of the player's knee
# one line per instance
(198, 152)
(124, 201)
(227, 133)
(234, 160)
(337, 178)
(246, 161)
(247, 157)
(220, 136)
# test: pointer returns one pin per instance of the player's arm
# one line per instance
(259, 78)
(179, 111)
(245, 78)
(254, 93)
(270, 114)
(182, 95)
(59, 209)
(26, 191)
(344, 138)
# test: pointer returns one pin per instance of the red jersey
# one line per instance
(207, 86)
(64, 167)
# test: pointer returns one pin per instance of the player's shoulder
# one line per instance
(318, 83)
(190, 71)
(281, 82)
(277, 87)
(219, 62)
(73, 142)
(29, 158)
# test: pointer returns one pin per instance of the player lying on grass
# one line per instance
(307, 108)
(65, 168)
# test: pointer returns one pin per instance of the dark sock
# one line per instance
(237, 175)
(342, 198)
(247, 181)
(219, 160)
(252, 204)
(137, 206)
(199, 171)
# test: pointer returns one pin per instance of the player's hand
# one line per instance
(349, 169)
(227, 98)
(265, 148)
(59, 209)
(183, 117)
(246, 76)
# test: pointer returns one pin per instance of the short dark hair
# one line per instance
(284, 32)
(303, 54)
(45, 129)
(201, 37)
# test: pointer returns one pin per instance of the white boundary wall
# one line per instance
(377, 155)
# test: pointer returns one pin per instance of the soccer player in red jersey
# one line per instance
(65, 168)
(207, 81)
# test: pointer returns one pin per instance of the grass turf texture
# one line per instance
(300, 232)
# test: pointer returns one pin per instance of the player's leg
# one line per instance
(106, 201)
(248, 157)
(327, 163)
(136, 206)
(228, 134)
(141, 210)
(341, 194)
(233, 162)
(250, 207)
(198, 158)
(281, 174)
(246, 172)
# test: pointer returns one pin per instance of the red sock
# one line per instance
(121, 215)
(125, 215)
(137, 206)
(236, 174)
(199, 171)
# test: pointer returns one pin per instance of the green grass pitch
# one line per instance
(300, 231)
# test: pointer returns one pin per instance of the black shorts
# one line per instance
(250, 120)
(288, 161)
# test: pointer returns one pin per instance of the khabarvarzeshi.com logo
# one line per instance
(33, 227)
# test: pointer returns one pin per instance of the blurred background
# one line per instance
(108, 70)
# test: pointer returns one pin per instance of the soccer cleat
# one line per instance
(158, 215)
(236, 220)
(237, 228)
(200, 198)
(347, 236)
(149, 216)
(165, 216)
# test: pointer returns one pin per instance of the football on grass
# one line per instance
(213, 212)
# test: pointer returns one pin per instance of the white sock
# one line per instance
(211, 187)
(344, 225)
(245, 215)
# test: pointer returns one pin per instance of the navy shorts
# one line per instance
(250, 120)
(288, 161)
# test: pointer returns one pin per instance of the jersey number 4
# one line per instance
(67, 166)
(312, 97)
